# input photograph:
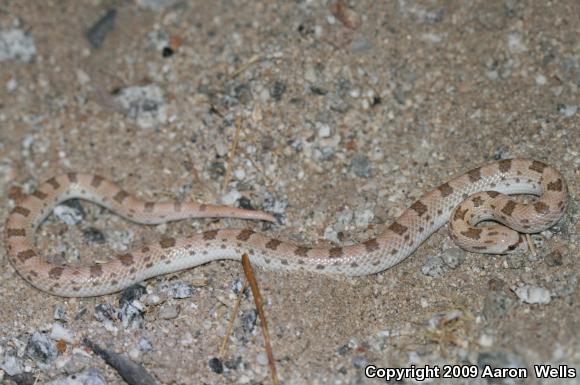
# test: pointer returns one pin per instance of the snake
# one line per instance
(483, 218)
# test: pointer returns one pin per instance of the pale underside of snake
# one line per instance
(478, 195)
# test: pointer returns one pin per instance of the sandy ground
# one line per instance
(348, 114)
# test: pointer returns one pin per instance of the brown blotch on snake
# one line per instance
(210, 235)
(15, 233)
(555, 186)
(302, 251)
(97, 180)
(477, 201)
(167, 242)
(459, 214)
(474, 175)
(419, 208)
(398, 228)
(335, 252)
(40, 195)
(25, 255)
(537, 166)
(21, 210)
(126, 259)
(53, 183)
(273, 244)
(96, 271)
(541, 207)
(55, 272)
(371, 245)
(509, 207)
(472, 233)
(505, 165)
(120, 196)
(148, 207)
(445, 190)
(244, 235)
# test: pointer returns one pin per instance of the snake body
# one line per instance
(481, 190)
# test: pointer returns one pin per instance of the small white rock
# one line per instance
(533, 294)
(324, 130)
(262, 359)
(59, 332)
(230, 198)
(68, 215)
(485, 340)
(363, 218)
(540, 80)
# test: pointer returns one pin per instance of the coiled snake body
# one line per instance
(464, 201)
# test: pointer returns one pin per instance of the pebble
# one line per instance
(15, 44)
(515, 261)
(89, 377)
(361, 166)
(41, 348)
(243, 93)
(215, 364)
(249, 318)
(180, 290)
(453, 257)
(497, 304)
(132, 293)
(440, 319)
(262, 359)
(359, 362)
(144, 345)
(169, 312)
(568, 111)
(554, 258)
(324, 130)
(533, 294)
(485, 340)
(93, 235)
(433, 267)
(330, 234)
(144, 104)
(132, 314)
(344, 218)
(236, 286)
(156, 5)
(59, 332)
(363, 218)
(98, 32)
(515, 44)
(564, 285)
(77, 362)
(277, 91)
(233, 363)
(230, 198)
(12, 365)
(121, 240)
(11, 84)
(361, 43)
(217, 169)
(310, 75)
(134, 354)
(59, 314)
(69, 215)
(105, 312)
